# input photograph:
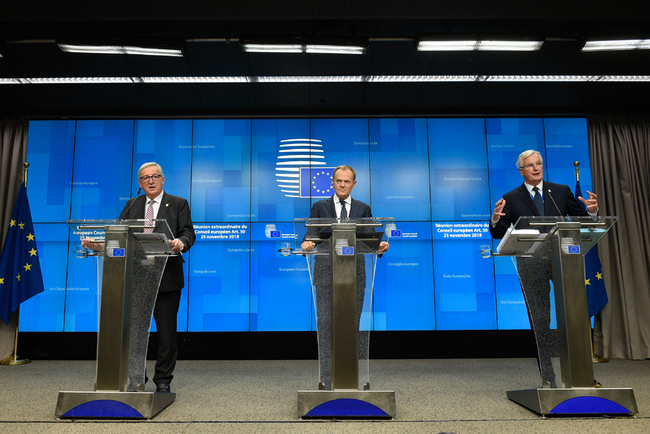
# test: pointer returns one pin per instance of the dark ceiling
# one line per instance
(211, 30)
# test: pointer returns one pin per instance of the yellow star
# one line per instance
(30, 237)
(599, 276)
(18, 277)
(32, 252)
(22, 225)
(2, 281)
(587, 282)
(12, 223)
(27, 267)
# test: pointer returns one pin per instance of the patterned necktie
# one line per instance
(149, 217)
(539, 203)
(344, 213)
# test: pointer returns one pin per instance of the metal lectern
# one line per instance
(564, 241)
(129, 267)
(342, 269)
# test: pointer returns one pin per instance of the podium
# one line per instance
(129, 268)
(342, 270)
(561, 243)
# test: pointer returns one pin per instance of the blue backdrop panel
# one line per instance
(269, 203)
(221, 170)
(404, 280)
(219, 296)
(45, 312)
(102, 169)
(464, 282)
(400, 169)
(422, 172)
(50, 153)
(459, 178)
(280, 291)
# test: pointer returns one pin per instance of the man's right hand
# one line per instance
(498, 210)
(87, 243)
(307, 246)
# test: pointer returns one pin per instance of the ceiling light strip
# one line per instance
(331, 79)
(614, 45)
(120, 49)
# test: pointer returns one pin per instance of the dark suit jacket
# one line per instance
(325, 209)
(519, 203)
(176, 211)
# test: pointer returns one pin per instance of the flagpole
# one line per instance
(594, 358)
(15, 360)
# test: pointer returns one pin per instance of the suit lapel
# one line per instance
(331, 208)
(164, 206)
(524, 195)
(354, 208)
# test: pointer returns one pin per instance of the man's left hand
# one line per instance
(383, 247)
(591, 203)
(177, 245)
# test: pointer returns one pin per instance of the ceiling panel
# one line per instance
(392, 26)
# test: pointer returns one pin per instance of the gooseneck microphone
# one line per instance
(559, 213)
(123, 213)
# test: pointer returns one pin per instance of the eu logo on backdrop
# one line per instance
(316, 182)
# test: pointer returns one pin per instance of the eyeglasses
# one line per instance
(530, 166)
(154, 178)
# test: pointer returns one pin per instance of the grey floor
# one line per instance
(433, 396)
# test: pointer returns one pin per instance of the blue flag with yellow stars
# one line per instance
(20, 270)
(594, 283)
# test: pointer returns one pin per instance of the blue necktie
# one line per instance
(344, 213)
(539, 203)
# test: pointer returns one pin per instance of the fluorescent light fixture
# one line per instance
(510, 45)
(333, 79)
(536, 78)
(476, 45)
(447, 46)
(617, 45)
(272, 48)
(303, 44)
(334, 49)
(419, 78)
(226, 79)
(310, 79)
(120, 49)
(82, 80)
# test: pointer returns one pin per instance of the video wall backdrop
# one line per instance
(438, 178)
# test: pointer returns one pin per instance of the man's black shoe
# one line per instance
(163, 388)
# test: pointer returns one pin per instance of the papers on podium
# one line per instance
(520, 241)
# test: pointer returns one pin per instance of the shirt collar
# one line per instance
(530, 187)
(158, 198)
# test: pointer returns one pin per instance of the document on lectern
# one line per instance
(520, 241)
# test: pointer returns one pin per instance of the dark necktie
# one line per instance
(344, 213)
(149, 217)
(539, 203)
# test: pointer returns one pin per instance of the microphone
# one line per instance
(559, 213)
(123, 213)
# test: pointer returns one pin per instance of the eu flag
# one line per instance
(595, 285)
(316, 182)
(20, 270)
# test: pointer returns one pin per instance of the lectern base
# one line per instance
(576, 401)
(367, 404)
(112, 405)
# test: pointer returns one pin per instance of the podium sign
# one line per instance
(561, 243)
(341, 269)
(133, 264)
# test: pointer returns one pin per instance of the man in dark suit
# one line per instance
(340, 205)
(156, 204)
(536, 197)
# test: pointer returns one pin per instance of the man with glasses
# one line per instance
(535, 197)
(156, 204)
